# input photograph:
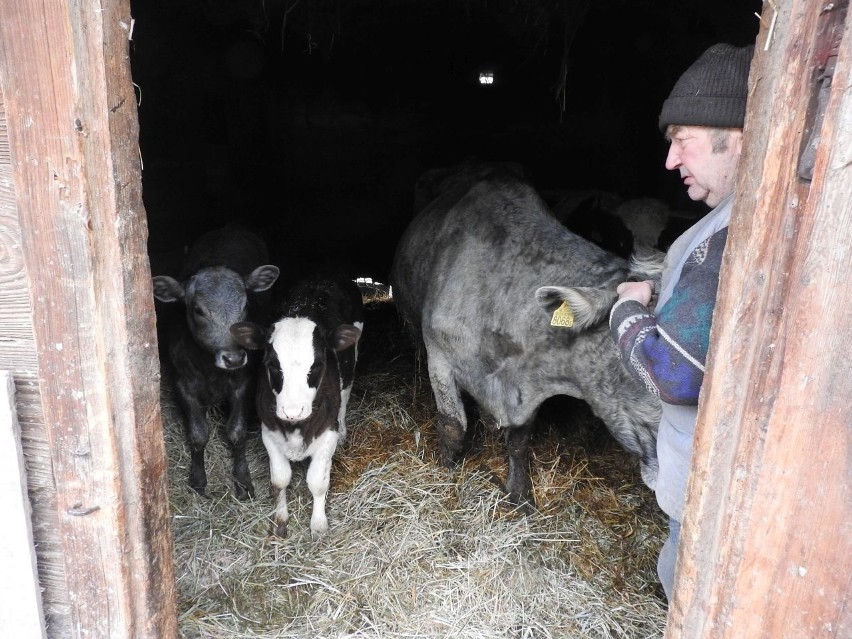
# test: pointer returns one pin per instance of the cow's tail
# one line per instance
(646, 264)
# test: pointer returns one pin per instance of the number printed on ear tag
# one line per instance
(563, 316)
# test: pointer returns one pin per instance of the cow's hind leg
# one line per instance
(280, 474)
(518, 483)
(452, 420)
(346, 360)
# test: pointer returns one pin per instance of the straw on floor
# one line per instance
(415, 549)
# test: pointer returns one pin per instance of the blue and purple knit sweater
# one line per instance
(667, 351)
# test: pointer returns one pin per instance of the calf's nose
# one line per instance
(232, 359)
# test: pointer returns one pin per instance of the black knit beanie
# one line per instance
(713, 91)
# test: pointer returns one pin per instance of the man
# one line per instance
(703, 120)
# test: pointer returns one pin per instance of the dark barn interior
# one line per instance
(310, 120)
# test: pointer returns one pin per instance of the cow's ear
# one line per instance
(262, 278)
(344, 336)
(249, 335)
(167, 289)
(579, 307)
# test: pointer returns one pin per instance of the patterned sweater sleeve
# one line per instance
(667, 351)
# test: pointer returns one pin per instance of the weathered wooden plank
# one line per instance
(5, 156)
(73, 144)
(18, 354)
(20, 597)
(767, 540)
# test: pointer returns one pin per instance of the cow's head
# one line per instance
(295, 359)
(576, 308)
(215, 298)
(581, 307)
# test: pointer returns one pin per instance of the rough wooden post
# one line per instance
(766, 551)
(73, 133)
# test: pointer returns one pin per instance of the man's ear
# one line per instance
(737, 141)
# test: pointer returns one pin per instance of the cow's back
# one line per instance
(493, 235)
(465, 275)
(234, 246)
(328, 297)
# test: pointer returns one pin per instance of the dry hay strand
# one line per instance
(415, 549)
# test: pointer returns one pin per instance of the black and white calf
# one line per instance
(221, 272)
(304, 386)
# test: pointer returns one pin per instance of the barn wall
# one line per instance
(78, 327)
(766, 551)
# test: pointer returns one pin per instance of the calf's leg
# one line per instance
(341, 414)
(346, 360)
(197, 434)
(319, 478)
(237, 429)
(280, 474)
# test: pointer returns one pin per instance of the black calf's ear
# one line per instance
(344, 336)
(249, 335)
(167, 289)
(262, 278)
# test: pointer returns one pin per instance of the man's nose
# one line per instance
(673, 158)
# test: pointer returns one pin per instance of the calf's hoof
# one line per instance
(319, 528)
(243, 491)
(279, 529)
(201, 491)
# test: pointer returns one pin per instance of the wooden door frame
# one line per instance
(73, 132)
(781, 321)
(766, 547)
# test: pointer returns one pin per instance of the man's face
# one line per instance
(710, 176)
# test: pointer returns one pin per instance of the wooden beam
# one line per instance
(73, 134)
(766, 550)
(18, 355)
(20, 596)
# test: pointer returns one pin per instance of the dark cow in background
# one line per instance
(221, 273)
(480, 275)
(591, 214)
(305, 382)
(621, 226)
(455, 179)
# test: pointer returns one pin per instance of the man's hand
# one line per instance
(639, 291)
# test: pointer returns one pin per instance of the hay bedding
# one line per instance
(413, 549)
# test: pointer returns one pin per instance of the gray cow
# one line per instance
(481, 275)
(219, 275)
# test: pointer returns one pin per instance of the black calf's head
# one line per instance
(215, 298)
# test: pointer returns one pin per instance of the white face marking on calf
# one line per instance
(293, 341)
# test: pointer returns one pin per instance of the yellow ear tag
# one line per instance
(563, 316)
